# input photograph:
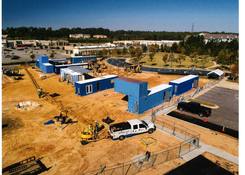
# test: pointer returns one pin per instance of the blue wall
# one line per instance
(82, 59)
(136, 89)
(47, 69)
(184, 86)
(138, 98)
(98, 85)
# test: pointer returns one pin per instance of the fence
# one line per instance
(191, 142)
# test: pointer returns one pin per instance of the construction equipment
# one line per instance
(92, 133)
(135, 68)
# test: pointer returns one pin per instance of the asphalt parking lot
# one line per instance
(24, 55)
(227, 100)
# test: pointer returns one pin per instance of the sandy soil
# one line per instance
(26, 135)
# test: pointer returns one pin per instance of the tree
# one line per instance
(165, 58)
(234, 70)
(174, 47)
(180, 58)
(138, 54)
(132, 51)
(32, 56)
(151, 56)
(171, 58)
(144, 48)
(52, 54)
(223, 57)
(124, 51)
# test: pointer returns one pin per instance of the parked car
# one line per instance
(131, 127)
(195, 108)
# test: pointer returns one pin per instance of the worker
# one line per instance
(147, 155)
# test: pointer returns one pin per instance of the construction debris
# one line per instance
(27, 105)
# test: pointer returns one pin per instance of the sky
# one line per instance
(150, 15)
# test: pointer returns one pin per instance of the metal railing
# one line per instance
(191, 142)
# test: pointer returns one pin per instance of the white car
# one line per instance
(131, 127)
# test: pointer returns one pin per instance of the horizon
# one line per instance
(156, 15)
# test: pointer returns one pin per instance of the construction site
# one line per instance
(51, 127)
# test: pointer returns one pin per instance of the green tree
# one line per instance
(180, 58)
(171, 59)
(165, 58)
(132, 51)
(32, 56)
(138, 54)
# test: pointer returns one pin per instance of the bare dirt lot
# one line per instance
(25, 134)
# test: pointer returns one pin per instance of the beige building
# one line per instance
(99, 36)
(77, 36)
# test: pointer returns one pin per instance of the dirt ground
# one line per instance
(26, 135)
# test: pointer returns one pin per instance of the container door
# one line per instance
(195, 83)
(89, 89)
(175, 89)
(167, 96)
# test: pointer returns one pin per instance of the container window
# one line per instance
(89, 89)
(135, 126)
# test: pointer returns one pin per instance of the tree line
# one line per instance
(63, 33)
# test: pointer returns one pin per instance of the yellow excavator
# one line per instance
(92, 133)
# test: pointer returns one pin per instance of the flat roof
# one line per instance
(217, 71)
(75, 64)
(96, 79)
(183, 79)
(159, 88)
(131, 80)
(47, 64)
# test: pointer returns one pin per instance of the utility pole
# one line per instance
(192, 28)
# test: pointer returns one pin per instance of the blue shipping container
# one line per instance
(184, 84)
(140, 98)
(82, 59)
(43, 59)
(47, 68)
(90, 86)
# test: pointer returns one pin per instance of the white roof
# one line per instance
(96, 79)
(47, 64)
(217, 71)
(134, 122)
(183, 79)
(159, 88)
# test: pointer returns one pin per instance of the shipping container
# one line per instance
(94, 85)
(141, 99)
(184, 84)
(57, 68)
(47, 68)
(82, 59)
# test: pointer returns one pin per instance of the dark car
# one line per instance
(195, 108)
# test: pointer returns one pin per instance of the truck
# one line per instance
(195, 108)
(131, 127)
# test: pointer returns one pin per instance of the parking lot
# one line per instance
(227, 100)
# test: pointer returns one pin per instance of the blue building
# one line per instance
(47, 68)
(93, 85)
(184, 84)
(41, 59)
(42, 62)
(140, 98)
(82, 59)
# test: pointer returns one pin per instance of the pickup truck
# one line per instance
(195, 108)
(131, 127)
